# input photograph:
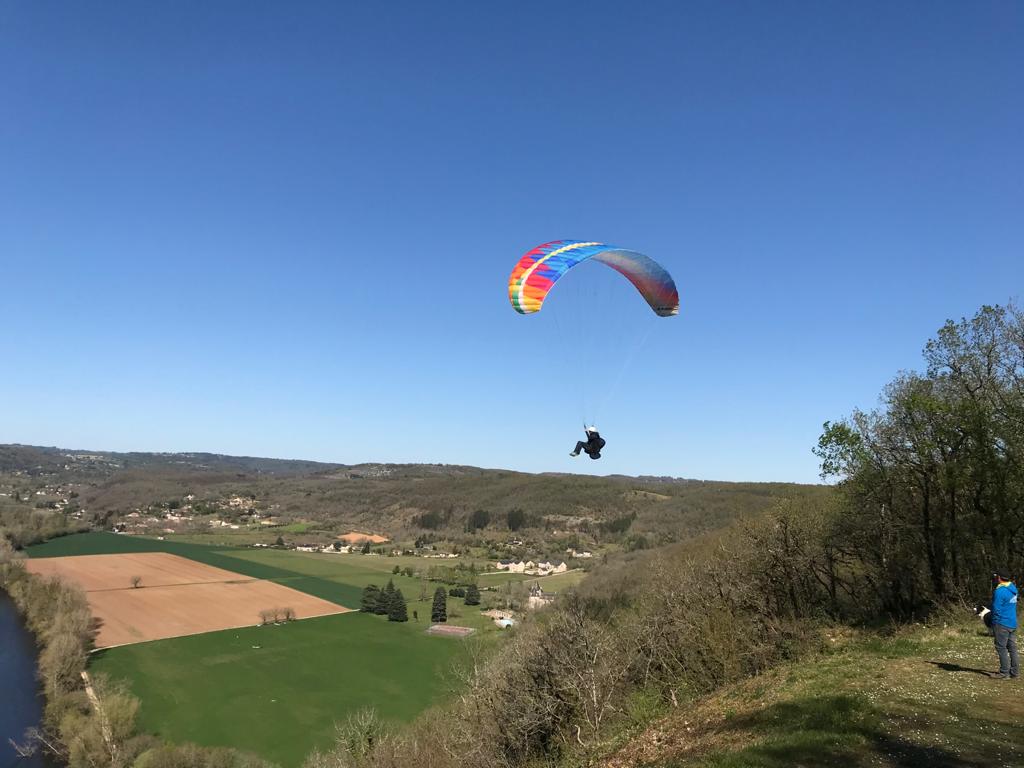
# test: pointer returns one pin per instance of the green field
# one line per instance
(281, 700)
(554, 583)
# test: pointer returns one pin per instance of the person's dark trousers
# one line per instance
(1006, 647)
(580, 446)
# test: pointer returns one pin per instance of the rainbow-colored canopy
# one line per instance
(539, 269)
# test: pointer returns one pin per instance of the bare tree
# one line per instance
(136, 582)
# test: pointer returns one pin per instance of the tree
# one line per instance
(396, 570)
(279, 542)
(932, 482)
(430, 520)
(415, 615)
(516, 519)
(478, 520)
(472, 595)
(337, 546)
(384, 599)
(397, 610)
(439, 610)
(136, 582)
(366, 547)
(371, 596)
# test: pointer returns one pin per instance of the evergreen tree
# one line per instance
(472, 595)
(371, 596)
(516, 519)
(439, 610)
(384, 598)
(366, 547)
(478, 520)
(397, 611)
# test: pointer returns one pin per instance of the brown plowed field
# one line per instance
(358, 538)
(177, 596)
(157, 569)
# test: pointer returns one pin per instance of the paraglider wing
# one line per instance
(539, 269)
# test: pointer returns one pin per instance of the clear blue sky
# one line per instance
(285, 229)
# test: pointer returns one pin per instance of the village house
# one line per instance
(514, 566)
(573, 553)
(549, 567)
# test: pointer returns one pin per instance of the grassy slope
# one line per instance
(281, 700)
(919, 699)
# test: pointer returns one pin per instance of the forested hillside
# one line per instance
(400, 500)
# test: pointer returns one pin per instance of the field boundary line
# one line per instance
(247, 580)
(344, 611)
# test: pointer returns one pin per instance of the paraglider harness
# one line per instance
(593, 445)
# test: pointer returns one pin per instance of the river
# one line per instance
(21, 703)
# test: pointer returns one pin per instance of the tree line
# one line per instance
(388, 601)
(932, 482)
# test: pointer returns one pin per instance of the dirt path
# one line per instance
(95, 701)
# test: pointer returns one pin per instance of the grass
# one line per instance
(553, 583)
(919, 699)
(278, 690)
(96, 543)
(295, 527)
(281, 699)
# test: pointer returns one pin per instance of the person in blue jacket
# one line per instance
(1004, 624)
